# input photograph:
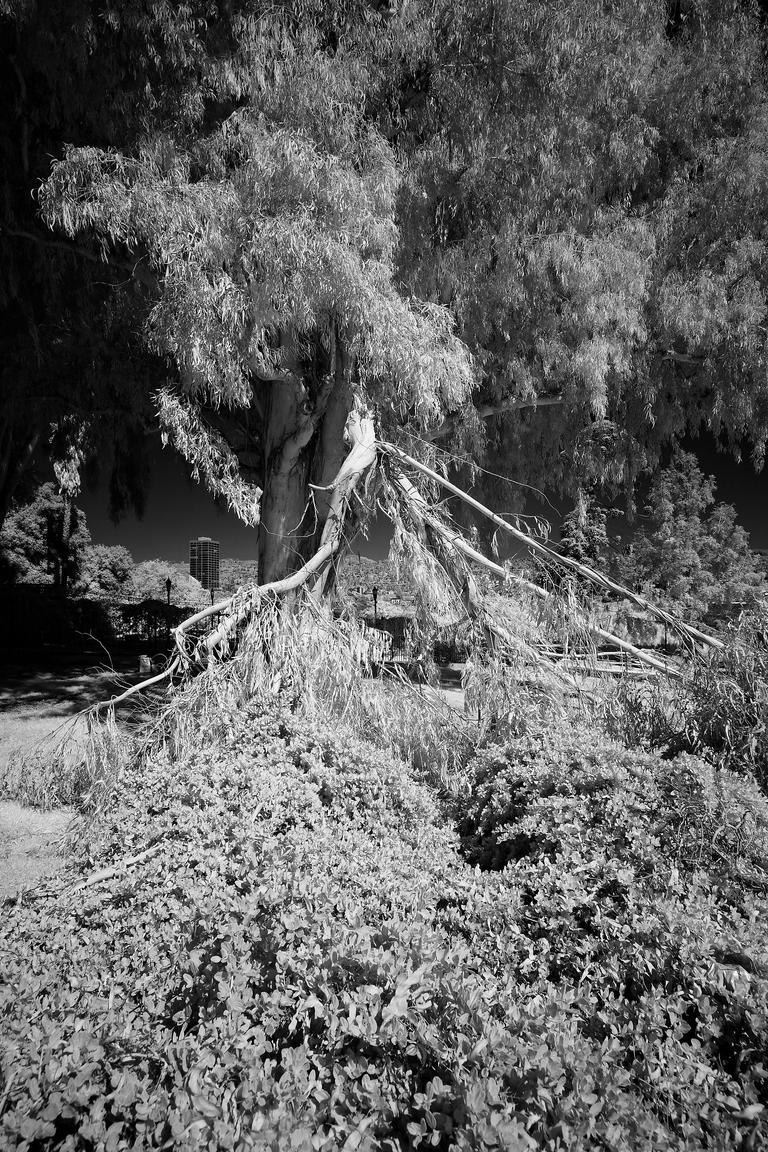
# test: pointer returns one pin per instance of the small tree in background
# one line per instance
(691, 550)
(106, 573)
(584, 535)
(149, 579)
(47, 541)
(44, 541)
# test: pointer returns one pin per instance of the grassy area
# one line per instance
(43, 736)
(37, 710)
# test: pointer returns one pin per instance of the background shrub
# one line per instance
(719, 711)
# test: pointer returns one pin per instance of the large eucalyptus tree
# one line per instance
(418, 221)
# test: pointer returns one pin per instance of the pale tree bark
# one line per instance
(289, 430)
(361, 458)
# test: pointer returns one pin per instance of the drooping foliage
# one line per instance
(592, 217)
(74, 372)
(273, 233)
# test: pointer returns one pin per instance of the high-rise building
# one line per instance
(204, 561)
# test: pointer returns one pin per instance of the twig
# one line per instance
(91, 636)
(61, 245)
(7, 1091)
(115, 869)
(141, 687)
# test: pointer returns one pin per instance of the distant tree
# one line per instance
(149, 579)
(45, 541)
(584, 535)
(690, 548)
(106, 573)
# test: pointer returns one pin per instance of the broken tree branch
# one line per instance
(115, 869)
(457, 541)
(136, 688)
(553, 556)
(424, 516)
(360, 433)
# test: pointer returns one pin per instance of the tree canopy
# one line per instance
(531, 234)
(149, 583)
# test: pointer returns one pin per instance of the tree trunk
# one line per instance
(286, 483)
(329, 455)
(304, 448)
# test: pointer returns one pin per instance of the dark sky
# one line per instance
(178, 510)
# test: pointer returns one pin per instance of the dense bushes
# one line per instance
(306, 960)
(641, 882)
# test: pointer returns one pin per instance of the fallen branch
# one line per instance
(457, 541)
(423, 514)
(136, 688)
(553, 556)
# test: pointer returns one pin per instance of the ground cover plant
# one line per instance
(272, 935)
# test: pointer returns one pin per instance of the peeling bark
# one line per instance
(287, 467)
